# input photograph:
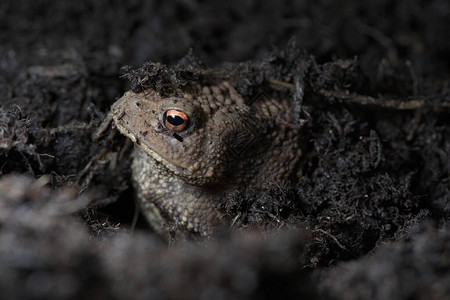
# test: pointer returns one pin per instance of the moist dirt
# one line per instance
(366, 216)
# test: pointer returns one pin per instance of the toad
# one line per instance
(200, 142)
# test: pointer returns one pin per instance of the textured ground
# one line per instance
(367, 218)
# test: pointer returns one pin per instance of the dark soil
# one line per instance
(366, 218)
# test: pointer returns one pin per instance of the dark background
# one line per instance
(360, 227)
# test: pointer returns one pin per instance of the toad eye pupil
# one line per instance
(175, 120)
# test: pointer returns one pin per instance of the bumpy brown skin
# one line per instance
(183, 177)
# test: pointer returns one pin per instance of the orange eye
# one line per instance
(176, 120)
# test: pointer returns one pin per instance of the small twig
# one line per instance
(235, 220)
(91, 173)
(103, 126)
(383, 39)
(399, 104)
(70, 127)
(279, 83)
(332, 237)
(265, 213)
(47, 155)
(135, 218)
(413, 76)
(27, 162)
(414, 125)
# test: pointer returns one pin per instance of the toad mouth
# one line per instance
(168, 163)
(171, 165)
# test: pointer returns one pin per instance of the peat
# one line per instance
(366, 219)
